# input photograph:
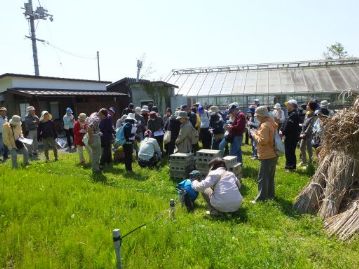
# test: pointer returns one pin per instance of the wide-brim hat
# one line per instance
(15, 120)
(131, 116)
(82, 116)
(277, 106)
(43, 113)
(3, 108)
(145, 109)
(213, 110)
(262, 111)
(138, 110)
(30, 108)
(324, 104)
(182, 115)
(292, 102)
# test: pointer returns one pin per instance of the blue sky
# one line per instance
(173, 34)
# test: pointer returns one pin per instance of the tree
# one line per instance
(336, 51)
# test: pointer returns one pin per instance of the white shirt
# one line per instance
(148, 147)
(226, 196)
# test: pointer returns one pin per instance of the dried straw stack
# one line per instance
(329, 191)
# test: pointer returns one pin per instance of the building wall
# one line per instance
(19, 82)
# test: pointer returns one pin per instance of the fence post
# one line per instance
(116, 234)
(172, 209)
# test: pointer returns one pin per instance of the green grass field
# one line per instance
(57, 215)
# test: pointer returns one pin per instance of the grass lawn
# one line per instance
(57, 215)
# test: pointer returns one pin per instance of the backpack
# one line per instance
(278, 144)
(187, 195)
(120, 139)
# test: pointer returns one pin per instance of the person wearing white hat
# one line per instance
(80, 129)
(94, 141)
(31, 124)
(69, 121)
(3, 119)
(129, 131)
(141, 125)
(46, 132)
(279, 115)
(267, 156)
(324, 105)
(291, 131)
(12, 134)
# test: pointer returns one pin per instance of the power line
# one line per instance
(70, 53)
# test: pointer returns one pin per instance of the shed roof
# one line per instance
(62, 93)
(54, 78)
(305, 77)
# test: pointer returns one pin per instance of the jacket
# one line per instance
(184, 139)
(10, 134)
(148, 148)
(265, 139)
(290, 128)
(226, 196)
(307, 127)
(46, 129)
(216, 123)
(155, 124)
(79, 132)
(238, 126)
(107, 131)
(174, 126)
(31, 122)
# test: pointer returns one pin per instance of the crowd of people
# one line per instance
(145, 133)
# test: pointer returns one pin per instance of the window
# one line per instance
(23, 112)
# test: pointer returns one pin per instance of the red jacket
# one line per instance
(238, 126)
(79, 133)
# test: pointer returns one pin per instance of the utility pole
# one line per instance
(31, 15)
(98, 66)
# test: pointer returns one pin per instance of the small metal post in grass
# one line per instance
(172, 209)
(117, 244)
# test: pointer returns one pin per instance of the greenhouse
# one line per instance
(332, 80)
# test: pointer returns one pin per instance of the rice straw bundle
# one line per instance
(346, 224)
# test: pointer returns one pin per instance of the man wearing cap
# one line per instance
(235, 131)
(3, 119)
(174, 127)
(141, 125)
(278, 115)
(150, 152)
(129, 130)
(155, 125)
(267, 156)
(291, 131)
(184, 139)
(324, 105)
(12, 132)
(31, 124)
(106, 137)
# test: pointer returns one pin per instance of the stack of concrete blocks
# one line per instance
(203, 157)
(181, 164)
(233, 166)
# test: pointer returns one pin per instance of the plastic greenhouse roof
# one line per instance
(327, 76)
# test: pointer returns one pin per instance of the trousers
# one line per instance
(306, 146)
(49, 143)
(34, 147)
(95, 153)
(266, 179)
(128, 150)
(290, 144)
(15, 151)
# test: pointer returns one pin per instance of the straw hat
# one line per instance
(82, 116)
(15, 120)
(262, 111)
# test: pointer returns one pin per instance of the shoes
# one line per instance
(214, 213)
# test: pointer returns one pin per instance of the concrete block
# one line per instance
(230, 161)
(208, 153)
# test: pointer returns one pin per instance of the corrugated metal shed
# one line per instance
(309, 77)
(51, 92)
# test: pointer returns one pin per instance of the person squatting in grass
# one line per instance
(220, 189)
(267, 156)
(12, 132)
(46, 133)
(150, 152)
(80, 129)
